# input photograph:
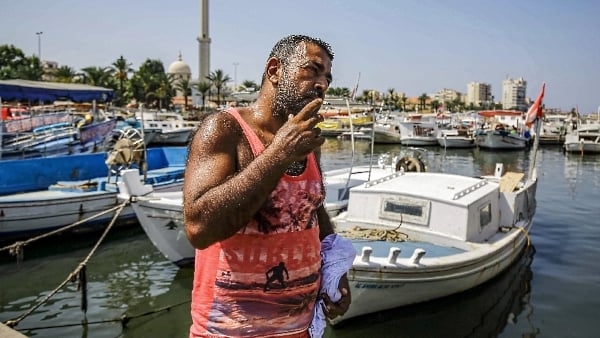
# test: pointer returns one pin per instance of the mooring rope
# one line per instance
(124, 319)
(16, 249)
(358, 232)
(526, 234)
(75, 275)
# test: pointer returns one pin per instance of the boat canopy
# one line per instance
(52, 91)
(493, 113)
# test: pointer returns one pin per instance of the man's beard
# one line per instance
(289, 100)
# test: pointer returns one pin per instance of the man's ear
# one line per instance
(273, 70)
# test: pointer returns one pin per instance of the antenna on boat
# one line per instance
(145, 160)
(352, 144)
(373, 137)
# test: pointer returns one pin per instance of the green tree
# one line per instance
(435, 104)
(97, 76)
(11, 60)
(185, 87)
(144, 84)
(423, 101)
(121, 70)
(391, 99)
(403, 98)
(30, 69)
(218, 79)
(250, 85)
(164, 92)
(203, 88)
(65, 74)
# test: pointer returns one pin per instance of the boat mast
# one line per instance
(536, 141)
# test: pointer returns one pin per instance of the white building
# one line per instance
(180, 70)
(514, 93)
(479, 94)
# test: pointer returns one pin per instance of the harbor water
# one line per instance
(132, 291)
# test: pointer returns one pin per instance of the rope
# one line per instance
(73, 275)
(526, 234)
(17, 247)
(375, 234)
(124, 319)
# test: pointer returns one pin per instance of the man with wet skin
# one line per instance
(253, 199)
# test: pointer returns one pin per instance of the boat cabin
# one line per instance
(428, 206)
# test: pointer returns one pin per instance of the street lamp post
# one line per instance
(39, 35)
(235, 65)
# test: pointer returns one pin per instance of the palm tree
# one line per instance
(435, 104)
(392, 97)
(185, 88)
(218, 79)
(146, 81)
(65, 74)
(121, 69)
(203, 87)
(250, 84)
(422, 101)
(403, 98)
(97, 76)
(164, 92)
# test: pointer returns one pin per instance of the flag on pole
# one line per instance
(535, 110)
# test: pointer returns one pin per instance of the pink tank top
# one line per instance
(263, 281)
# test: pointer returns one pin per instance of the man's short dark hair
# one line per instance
(286, 47)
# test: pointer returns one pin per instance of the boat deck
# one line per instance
(382, 249)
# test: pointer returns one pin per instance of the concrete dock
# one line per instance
(7, 332)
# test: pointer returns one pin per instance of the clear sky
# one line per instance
(412, 46)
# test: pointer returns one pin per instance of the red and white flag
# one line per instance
(535, 110)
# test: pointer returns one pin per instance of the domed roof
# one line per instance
(179, 67)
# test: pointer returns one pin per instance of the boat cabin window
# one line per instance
(485, 215)
(405, 209)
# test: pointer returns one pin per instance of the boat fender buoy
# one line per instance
(410, 164)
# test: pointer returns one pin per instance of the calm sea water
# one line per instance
(552, 291)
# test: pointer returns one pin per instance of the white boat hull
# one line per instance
(35, 212)
(491, 139)
(456, 142)
(41, 211)
(163, 223)
(419, 141)
(172, 137)
(583, 143)
(377, 287)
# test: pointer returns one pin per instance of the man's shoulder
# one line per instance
(217, 126)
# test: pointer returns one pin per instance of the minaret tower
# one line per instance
(203, 43)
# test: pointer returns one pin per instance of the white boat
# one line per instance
(428, 235)
(502, 130)
(584, 140)
(455, 138)
(161, 216)
(500, 140)
(554, 128)
(41, 194)
(336, 125)
(419, 130)
(172, 128)
(362, 134)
